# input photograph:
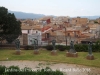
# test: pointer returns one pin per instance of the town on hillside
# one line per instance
(63, 29)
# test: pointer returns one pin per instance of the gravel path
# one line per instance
(69, 69)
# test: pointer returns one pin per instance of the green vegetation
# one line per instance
(95, 22)
(84, 47)
(61, 47)
(10, 27)
(48, 47)
(46, 56)
(78, 47)
(15, 70)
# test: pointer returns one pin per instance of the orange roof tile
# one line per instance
(45, 28)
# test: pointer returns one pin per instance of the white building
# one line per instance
(35, 34)
(28, 34)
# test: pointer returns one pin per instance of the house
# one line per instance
(95, 30)
(61, 29)
(46, 32)
(98, 20)
(30, 32)
(79, 21)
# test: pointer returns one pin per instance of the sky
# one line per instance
(55, 7)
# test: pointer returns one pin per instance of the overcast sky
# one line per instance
(55, 7)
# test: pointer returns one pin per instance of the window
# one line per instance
(68, 34)
(36, 31)
(28, 31)
(47, 35)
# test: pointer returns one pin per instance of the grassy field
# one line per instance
(45, 56)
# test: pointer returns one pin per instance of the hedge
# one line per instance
(15, 70)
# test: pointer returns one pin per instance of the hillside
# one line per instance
(23, 15)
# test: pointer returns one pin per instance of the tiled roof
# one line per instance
(26, 27)
(37, 27)
(45, 28)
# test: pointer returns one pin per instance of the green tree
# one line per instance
(10, 27)
(95, 22)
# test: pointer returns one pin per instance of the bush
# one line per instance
(81, 47)
(96, 46)
(84, 47)
(2, 69)
(49, 47)
(28, 47)
(14, 70)
(61, 47)
(67, 47)
(27, 71)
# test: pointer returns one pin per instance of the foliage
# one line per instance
(95, 22)
(2, 69)
(67, 47)
(81, 47)
(27, 47)
(84, 47)
(78, 47)
(10, 27)
(27, 71)
(96, 47)
(61, 47)
(49, 47)
(9, 55)
(14, 70)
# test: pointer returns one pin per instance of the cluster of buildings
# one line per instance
(62, 29)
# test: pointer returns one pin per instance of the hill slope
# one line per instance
(23, 15)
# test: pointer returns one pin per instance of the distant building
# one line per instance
(98, 20)
(79, 21)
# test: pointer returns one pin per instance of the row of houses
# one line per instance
(59, 28)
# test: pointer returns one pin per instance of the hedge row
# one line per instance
(15, 70)
(57, 47)
(78, 47)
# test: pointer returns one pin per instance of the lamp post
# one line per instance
(65, 36)
(44, 23)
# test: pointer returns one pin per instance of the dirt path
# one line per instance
(69, 69)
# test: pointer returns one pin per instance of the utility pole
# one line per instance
(65, 36)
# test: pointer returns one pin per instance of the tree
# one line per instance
(10, 27)
(95, 22)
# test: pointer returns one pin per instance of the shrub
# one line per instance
(48, 71)
(61, 47)
(2, 69)
(27, 71)
(28, 47)
(49, 47)
(81, 47)
(14, 70)
(96, 46)
(67, 47)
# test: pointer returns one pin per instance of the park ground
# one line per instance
(68, 69)
(71, 66)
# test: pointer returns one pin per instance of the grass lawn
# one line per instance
(45, 56)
